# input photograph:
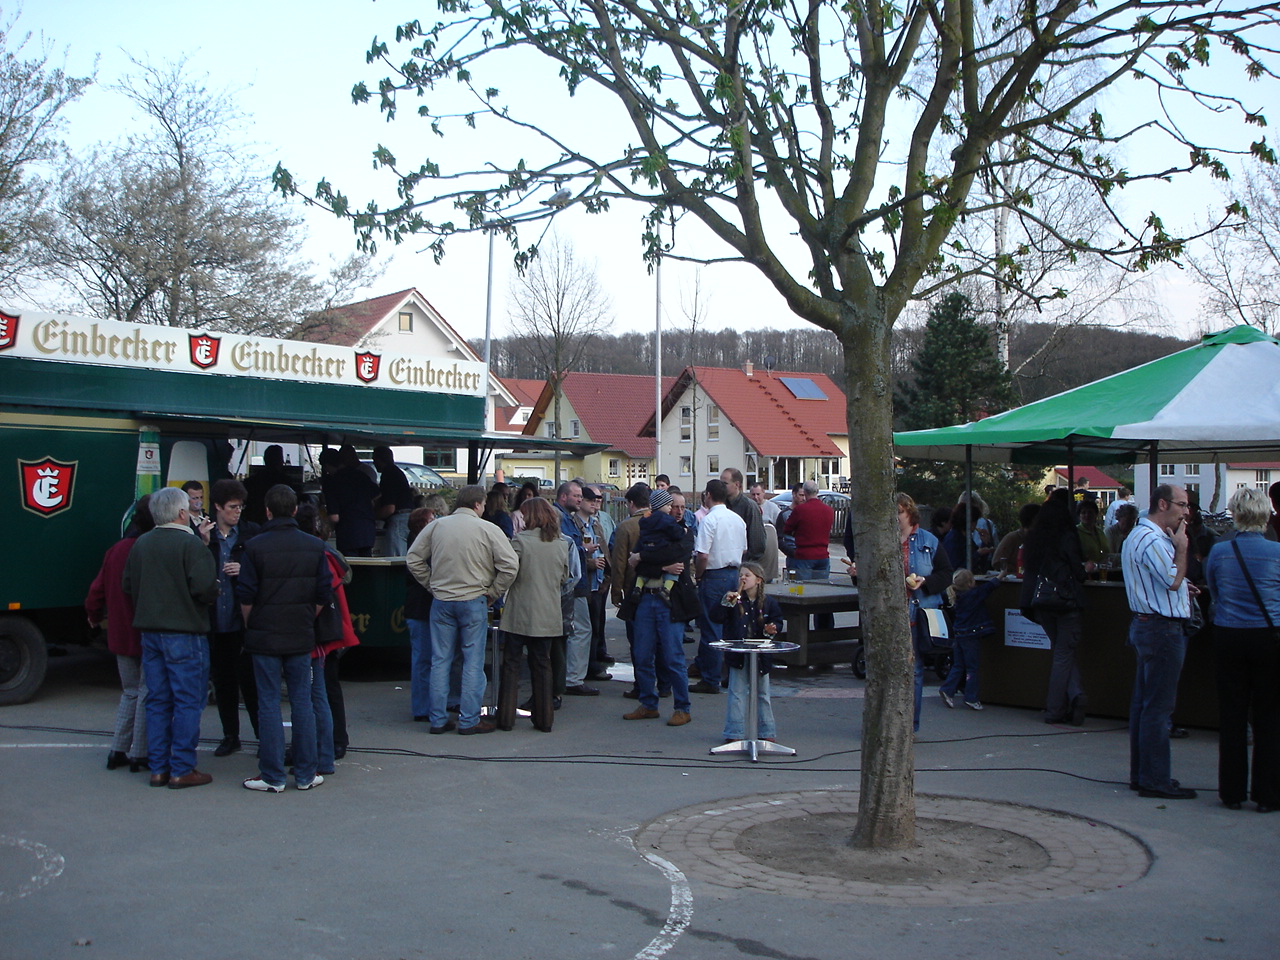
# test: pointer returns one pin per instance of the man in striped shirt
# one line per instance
(1155, 567)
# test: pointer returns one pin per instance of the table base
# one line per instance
(753, 748)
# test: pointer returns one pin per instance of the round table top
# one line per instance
(777, 646)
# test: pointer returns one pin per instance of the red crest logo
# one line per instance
(367, 366)
(8, 330)
(204, 349)
(47, 485)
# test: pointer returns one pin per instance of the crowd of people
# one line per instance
(253, 605)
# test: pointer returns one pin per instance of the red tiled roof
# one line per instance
(611, 407)
(526, 392)
(1253, 466)
(1097, 479)
(772, 420)
(344, 326)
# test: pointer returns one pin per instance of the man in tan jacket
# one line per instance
(466, 563)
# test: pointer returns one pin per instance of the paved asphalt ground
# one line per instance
(520, 845)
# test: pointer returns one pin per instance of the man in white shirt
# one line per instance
(768, 509)
(717, 550)
(1125, 496)
(1155, 568)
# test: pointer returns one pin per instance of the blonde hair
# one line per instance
(1250, 510)
(961, 581)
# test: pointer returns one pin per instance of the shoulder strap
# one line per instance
(1249, 577)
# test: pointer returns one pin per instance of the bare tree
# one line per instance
(1240, 268)
(558, 307)
(173, 226)
(32, 95)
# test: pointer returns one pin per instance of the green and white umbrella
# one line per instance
(1220, 396)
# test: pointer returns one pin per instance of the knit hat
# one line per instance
(658, 499)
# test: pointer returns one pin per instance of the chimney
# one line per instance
(749, 369)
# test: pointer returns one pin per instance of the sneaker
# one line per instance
(947, 698)
(313, 782)
(641, 713)
(257, 783)
(678, 719)
(974, 704)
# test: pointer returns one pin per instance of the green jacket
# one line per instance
(172, 578)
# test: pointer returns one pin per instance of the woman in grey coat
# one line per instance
(531, 614)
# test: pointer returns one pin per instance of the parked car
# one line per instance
(836, 501)
(421, 477)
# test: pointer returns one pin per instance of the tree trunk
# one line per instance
(887, 804)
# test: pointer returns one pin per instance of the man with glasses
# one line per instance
(1154, 559)
(230, 668)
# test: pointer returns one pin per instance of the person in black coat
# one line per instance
(284, 584)
(1052, 552)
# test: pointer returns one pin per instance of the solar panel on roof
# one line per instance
(802, 388)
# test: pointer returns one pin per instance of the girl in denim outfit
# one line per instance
(747, 614)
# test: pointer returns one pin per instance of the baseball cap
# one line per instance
(589, 494)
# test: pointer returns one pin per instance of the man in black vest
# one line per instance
(284, 584)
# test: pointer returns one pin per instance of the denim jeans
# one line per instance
(296, 672)
(176, 668)
(735, 719)
(918, 625)
(1160, 646)
(131, 713)
(419, 666)
(655, 632)
(964, 667)
(458, 625)
(396, 534)
(323, 715)
(711, 590)
(578, 649)
(815, 570)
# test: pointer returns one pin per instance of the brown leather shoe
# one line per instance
(641, 713)
(484, 726)
(193, 779)
(160, 779)
(679, 719)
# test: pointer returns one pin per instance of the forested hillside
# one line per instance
(1046, 358)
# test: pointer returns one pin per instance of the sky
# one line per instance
(292, 64)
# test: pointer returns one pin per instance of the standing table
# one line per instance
(752, 745)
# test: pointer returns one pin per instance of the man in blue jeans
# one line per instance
(718, 548)
(172, 579)
(466, 563)
(284, 584)
(1155, 569)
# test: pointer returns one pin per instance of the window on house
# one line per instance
(406, 321)
(713, 465)
(1167, 470)
(1193, 488)
(713, 422)
(615, 468)
(686, 424)
(551, 429)
(1262, 476)
(1191, 469)
(686, 466)
(575, 428)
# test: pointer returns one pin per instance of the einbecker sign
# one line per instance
(42, 336)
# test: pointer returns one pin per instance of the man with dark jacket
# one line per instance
(748, 510)
(284, 584)
(230, 668)
(171, 579)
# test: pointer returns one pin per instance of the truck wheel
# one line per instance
(23, 660)
(860, 662)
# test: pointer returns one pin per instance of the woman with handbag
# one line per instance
(1053, 597)
(1244, 579)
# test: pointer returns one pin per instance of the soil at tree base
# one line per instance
(955, 850)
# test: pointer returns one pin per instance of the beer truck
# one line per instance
(94, 412)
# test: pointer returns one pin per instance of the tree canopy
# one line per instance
(834, 147)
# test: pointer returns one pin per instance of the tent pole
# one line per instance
(1153, 479)
(968, 505)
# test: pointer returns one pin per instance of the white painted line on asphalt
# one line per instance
(681, 910)
(45, 746)
(51, 865)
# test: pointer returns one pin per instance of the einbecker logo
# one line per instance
(204, 349)
(8, 330)
(367, 366)
(47, 485)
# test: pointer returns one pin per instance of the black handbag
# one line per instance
(1056, 590)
